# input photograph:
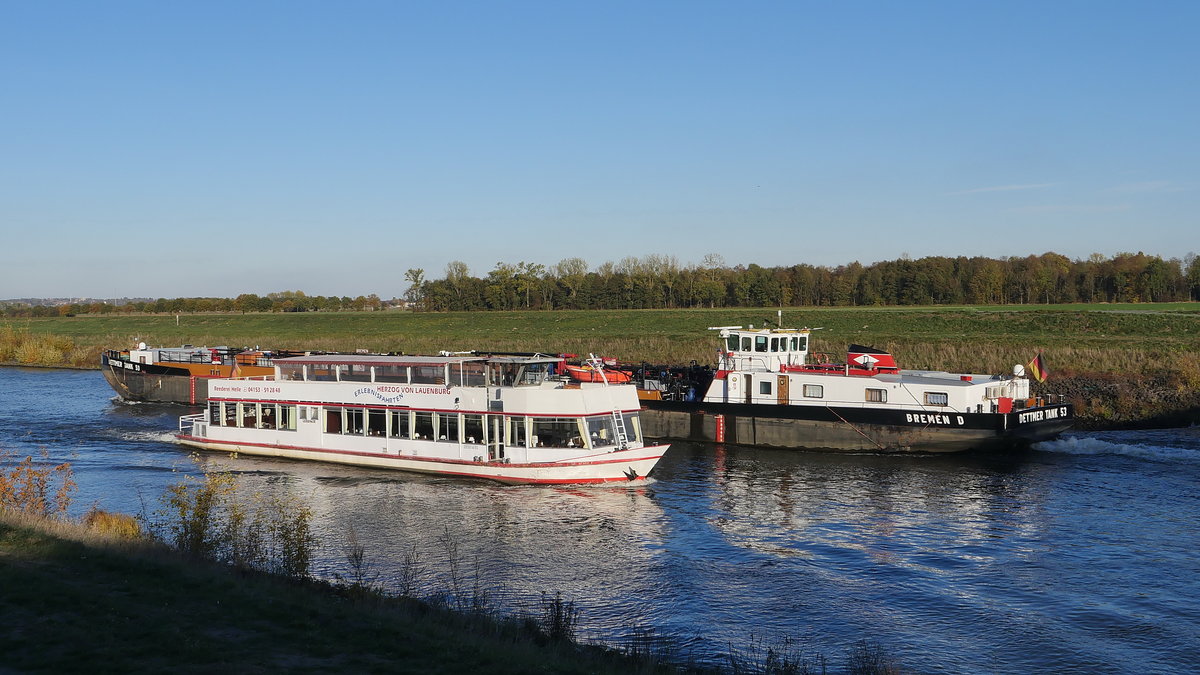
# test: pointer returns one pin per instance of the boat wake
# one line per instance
(143, 436)
(1162, 445)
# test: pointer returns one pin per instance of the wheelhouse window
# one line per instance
(877, 395)
(746, 343)
(760, 343)
(814, 391)
(799, 343)
(732, 343)
(937, 398)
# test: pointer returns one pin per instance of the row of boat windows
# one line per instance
(761, 343)
(598, 431)
(467, 374)
(871, 395)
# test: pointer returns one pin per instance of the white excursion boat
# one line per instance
(764, 393)
(513, 419)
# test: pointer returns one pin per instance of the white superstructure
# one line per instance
(512, 419)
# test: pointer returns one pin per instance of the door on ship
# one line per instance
(782, 381)
(496, 442)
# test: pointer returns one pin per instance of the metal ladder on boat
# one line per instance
(597, 364)
(622, 435)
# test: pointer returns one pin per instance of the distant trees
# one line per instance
(659, 281)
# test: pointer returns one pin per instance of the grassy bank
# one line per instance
(1117, 354)
(75, 600)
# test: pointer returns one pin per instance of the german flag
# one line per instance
(1037, 368)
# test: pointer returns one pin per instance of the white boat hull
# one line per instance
(629, 465)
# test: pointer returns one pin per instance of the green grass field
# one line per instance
(1079, 338)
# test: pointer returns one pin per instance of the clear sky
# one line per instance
(213, 148)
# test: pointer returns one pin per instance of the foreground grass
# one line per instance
(74, 599)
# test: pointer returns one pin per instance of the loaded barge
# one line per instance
(180, 374)
(765, 393)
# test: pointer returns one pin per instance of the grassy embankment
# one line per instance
(1122, 365)
(75, 599)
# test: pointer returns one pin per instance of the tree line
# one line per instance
(657, 281)
(660, 281)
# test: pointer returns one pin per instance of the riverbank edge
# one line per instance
(1103, 401)
(75, 597)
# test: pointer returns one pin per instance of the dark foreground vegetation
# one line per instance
(216, 579)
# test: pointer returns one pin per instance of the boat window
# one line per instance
(400, 424)
(333, 421)
(473, 427)
(877, 395)
(800, 343)
(287, 417)
(267, 419)
(356, 373)
(937, 398)
(321, 372)
(516, 431)
(469, 374)
(214, 412)
(532, 374)
(760, 343)
(423, 426)
(814, 390)
(556, 432)
(602, 431)
(633, 427)
(447, 427)
(249, 415)
(355, 423)
(230, 409)
(746, 343)
(731, 343)
(391, 374)
(429, 375)
(291, 371)
(764, 387)
(775, 344)
(376, 422)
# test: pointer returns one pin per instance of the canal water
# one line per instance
(1079, 556)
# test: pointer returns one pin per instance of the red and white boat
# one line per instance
(504, 418)
(765, 393)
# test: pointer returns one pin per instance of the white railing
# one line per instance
(193, 425)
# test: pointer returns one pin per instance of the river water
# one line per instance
(1079, 556)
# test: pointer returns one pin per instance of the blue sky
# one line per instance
(171, 149)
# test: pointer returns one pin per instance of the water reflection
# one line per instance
(1077, 556)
